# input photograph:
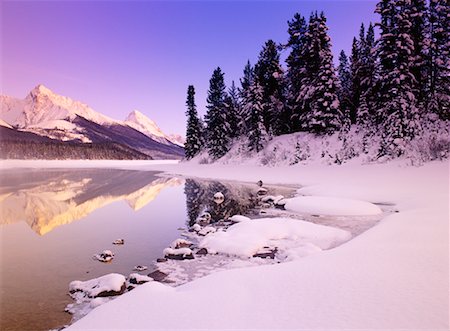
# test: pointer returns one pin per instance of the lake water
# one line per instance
(54, 221)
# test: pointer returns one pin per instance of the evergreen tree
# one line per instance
(439, 58)
(366, 72)
(194, 139)
(217, 127)
(345, 79)
(319, 91)
(356, 80)
(233, 112)
(295, 69)
(269, 74)
(399, 111)
(418, 36)
(254, 107)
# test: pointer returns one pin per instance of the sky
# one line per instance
(119, 56)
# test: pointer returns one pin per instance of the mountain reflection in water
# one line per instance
(46, 199)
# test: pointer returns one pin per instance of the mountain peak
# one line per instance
(41, 89)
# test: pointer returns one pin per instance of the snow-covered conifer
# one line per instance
(319, 95)
(256, 130)
(270, 78)
(439, 58)
(194, 135)
(217, 127)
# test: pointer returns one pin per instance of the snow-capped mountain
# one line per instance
(42, 106)
(48, 114)
(142, 123)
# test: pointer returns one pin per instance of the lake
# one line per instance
(54, 220)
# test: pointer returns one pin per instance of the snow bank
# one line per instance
(107, 285)
(238, 218)
(248, 237)
(331, 206)
(393, 276)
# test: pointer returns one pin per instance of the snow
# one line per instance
(184, 251)
(136, 278)
(330, 206)
(248, 237)
(238, 218)
(393, 276)
(3, 123)
(142, 123)
(92, 288)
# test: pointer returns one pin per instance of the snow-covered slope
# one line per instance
(3, 123)
(142, 123)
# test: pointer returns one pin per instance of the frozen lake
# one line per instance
(54, 220)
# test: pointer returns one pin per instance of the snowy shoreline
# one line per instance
(393, 276)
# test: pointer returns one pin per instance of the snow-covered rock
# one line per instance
(105, 256)
(180, 243)
(139, 279)
(238, 218)
(330, 206)
(104, 286)
(178, 253)
(140, 268)
(247, 238)
(218, 198)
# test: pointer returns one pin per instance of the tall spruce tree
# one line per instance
(194, 134)
(419, 38)
(321, 113)
(355, 63)
(345, 88)
(217, 127)
(439, 59)
(233, 111)
(398, 105)
(269, 74)
(295, 69)
(366, 72)
(254, 120)
(246, 82)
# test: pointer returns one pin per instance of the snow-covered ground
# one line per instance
(393, 276)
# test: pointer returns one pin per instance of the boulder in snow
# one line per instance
(140, 268)
(219, 198)
(178, 253)
(180, 243)
(105, 286)
(158, 275)
(139, 279)
(105, 256)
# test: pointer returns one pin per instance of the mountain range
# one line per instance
(48, 125)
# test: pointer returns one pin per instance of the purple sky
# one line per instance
(118, 56)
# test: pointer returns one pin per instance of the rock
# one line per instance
(158, 275)
(140, 268)
(104, 286)
(204, 219)
(178, 253)
(261, 191)
(206, 230)
(112, 293)
(105, 256)
(238, 218)
(260, 183)
(119, 242)
(202, 251)
(267, 253)
(181, 243)
(219, 198)
(139, 279)
(160, 260)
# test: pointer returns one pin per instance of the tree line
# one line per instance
(391, 85)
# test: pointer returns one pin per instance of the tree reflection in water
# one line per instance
(239, 199)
